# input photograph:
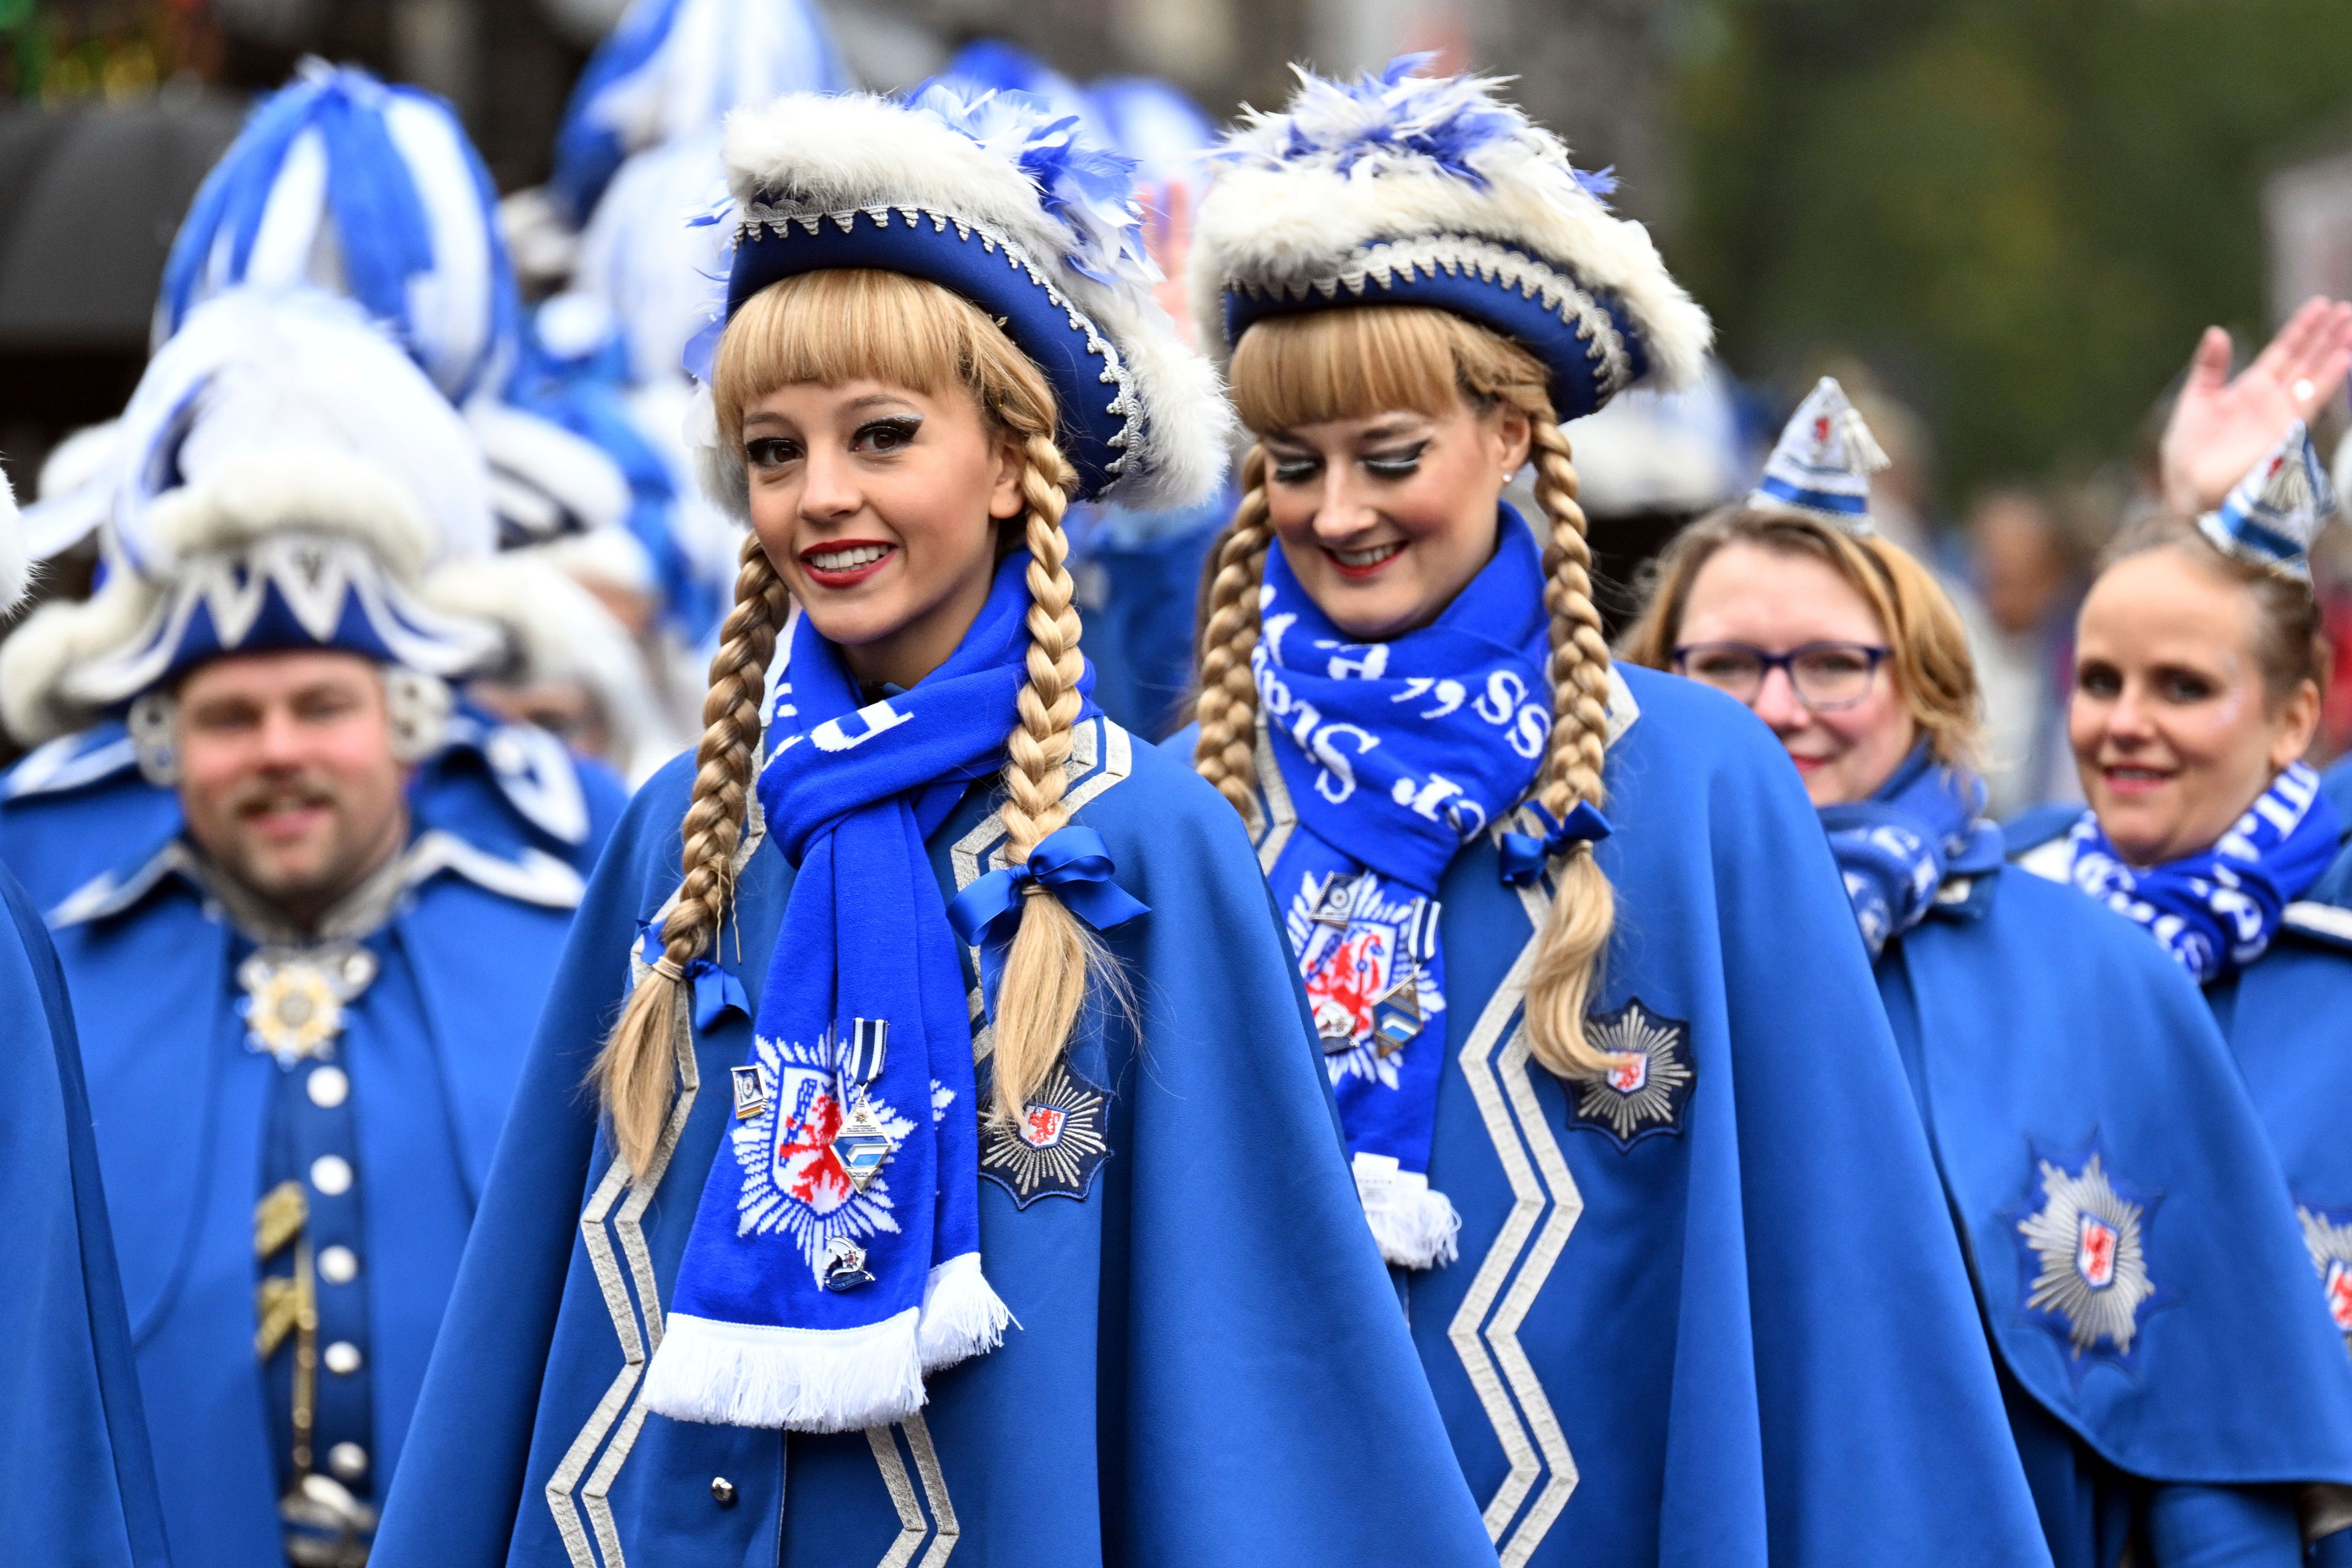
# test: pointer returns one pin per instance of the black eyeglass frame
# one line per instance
(1872, 655)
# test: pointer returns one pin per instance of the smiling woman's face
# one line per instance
(879, 505)
(1384, 519)
(2174, 733)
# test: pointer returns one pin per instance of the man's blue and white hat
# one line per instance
(2270, 516)
(1820, 467)
(672, 67)
(340, 182)
(284, 477)
(1007, 204)
(1409, 190)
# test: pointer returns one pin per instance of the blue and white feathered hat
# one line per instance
(1410, 190)
(671, 67)
(996, 200)
(1822, 465)
(341, 183)
(284, 477)
(2269, 518)
(646, 260)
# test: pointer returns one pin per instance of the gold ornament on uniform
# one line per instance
(321, 1524)
(294, 998)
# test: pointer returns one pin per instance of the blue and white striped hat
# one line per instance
(2270, 516)
(671, 67)
(1821, 467)
(340, 182)
(1410, 190)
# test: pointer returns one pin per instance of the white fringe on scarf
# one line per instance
(1416, 1227)
(801, 1379)
(962, 1316)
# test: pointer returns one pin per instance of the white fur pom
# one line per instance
(963, 1315)
(16, 568)
(1416, 1227)
(799, 1380)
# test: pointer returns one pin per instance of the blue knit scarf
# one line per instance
(2216, 911)
(835, 1255)
(1925, 823)
(1395, 755)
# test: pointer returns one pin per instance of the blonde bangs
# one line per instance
(1364, 360)
(863, 324)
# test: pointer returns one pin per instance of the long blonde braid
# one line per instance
(1226, 752)
(1575, 935)
(634, 1070)
(1044, 983)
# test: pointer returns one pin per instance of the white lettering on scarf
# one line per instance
(875, 717)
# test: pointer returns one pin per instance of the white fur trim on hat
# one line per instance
(16, 567)
(1282, 220)
(807, 155)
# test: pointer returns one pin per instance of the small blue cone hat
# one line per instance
(2270, 516)
(1821, 465)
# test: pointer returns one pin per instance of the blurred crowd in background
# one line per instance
(2000, 225)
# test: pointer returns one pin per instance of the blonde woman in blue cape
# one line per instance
(2199, 673)
(958, 1175)
(2168, 1382)
(76, 1480)
(1620, 1101)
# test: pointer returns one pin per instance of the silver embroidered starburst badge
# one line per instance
(1055, 1149)
(1648, 1080)
(2329, 1242)
(2088, 1242)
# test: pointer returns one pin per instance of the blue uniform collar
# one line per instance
(532, 877)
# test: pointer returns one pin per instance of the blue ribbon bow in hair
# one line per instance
(1524, 855)
(1074, 863)
(715, 989)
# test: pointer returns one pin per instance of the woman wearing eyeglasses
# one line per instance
(2167, 1382)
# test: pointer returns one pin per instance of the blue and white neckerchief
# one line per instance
(1925, 823)
(836, 1257)
(1395, 755)
(2216, 911)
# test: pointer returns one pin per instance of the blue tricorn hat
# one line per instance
(997, 200)
(1820, 467)
(1408, 190)
(2269, 518)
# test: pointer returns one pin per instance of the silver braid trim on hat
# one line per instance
(1124, 406)
(1456, 255)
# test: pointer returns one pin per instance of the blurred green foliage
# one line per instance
(2020, 212)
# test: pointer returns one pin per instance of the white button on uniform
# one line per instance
(339, 1265)
(343, 1358)
(347, 1460)
(329, 1087)
(332, 1174)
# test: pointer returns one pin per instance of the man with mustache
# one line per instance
(307, 900)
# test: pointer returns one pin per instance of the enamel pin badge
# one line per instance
(863, 1142)
(750, 1093)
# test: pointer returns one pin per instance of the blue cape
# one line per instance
(196, 1123)
(2039, 1025)
(1208, 1366)
(77, 1484)
(1729, 1324)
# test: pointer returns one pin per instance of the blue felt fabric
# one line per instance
(77, 1482)
(2036, 1024)
(1208, 1366)
(1749, 1329)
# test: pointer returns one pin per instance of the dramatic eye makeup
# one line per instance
(891, 433)
(1397, 463)
(770, 451)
